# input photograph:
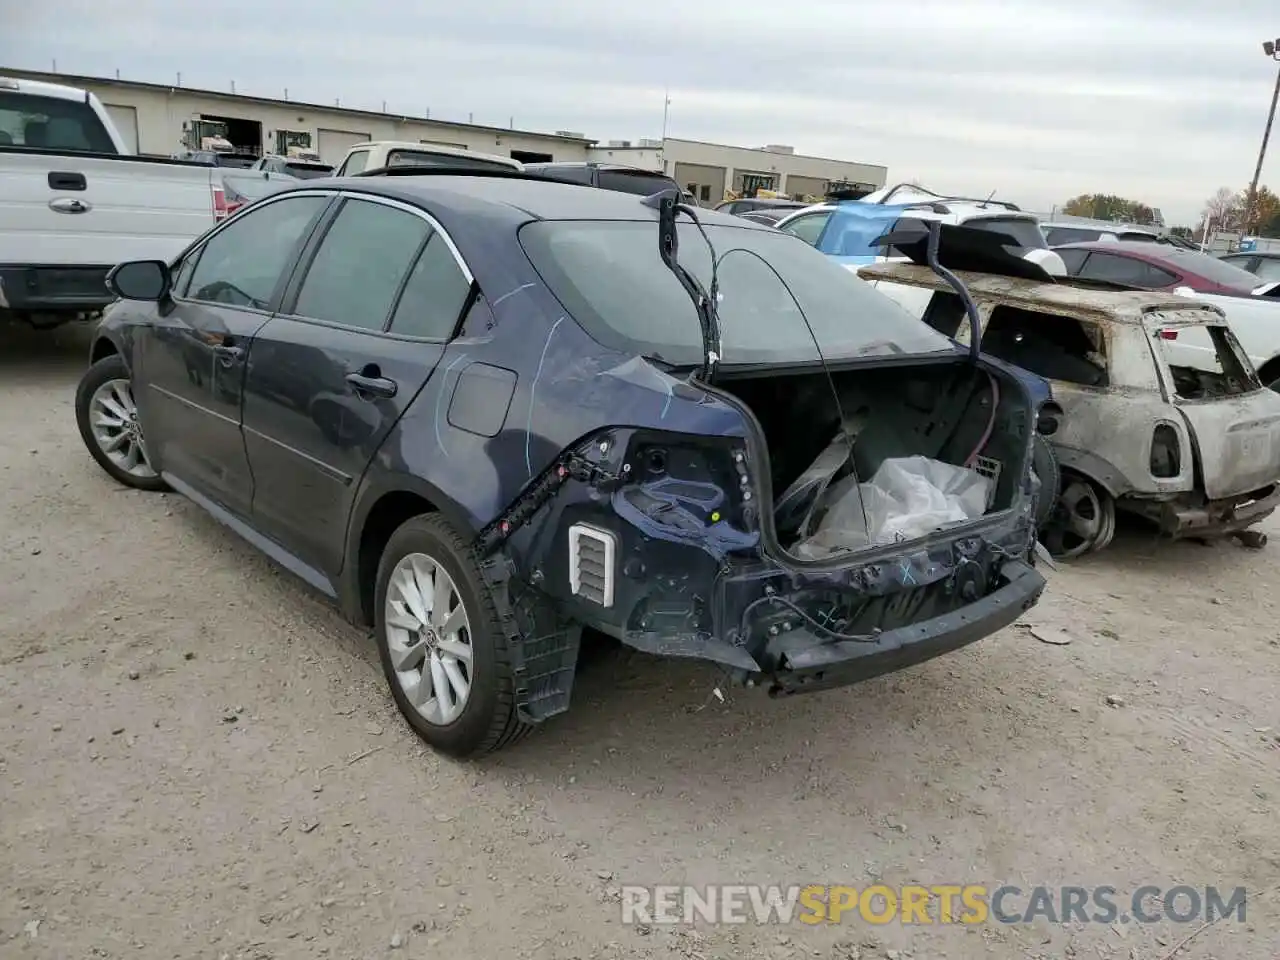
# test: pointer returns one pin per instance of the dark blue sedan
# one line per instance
(483, 412)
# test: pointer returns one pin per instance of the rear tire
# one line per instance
(107, 418)
(1045, 463)
(467, 646)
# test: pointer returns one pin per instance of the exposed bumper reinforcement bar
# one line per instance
(812, 662)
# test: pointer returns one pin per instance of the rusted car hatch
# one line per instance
(1207, 363)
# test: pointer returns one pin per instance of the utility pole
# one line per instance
(666, 106)
(1272, 49)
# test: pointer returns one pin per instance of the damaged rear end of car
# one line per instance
(813, 490)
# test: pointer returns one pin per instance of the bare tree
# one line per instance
(1225, 210)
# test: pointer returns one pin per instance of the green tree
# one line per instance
(1108, 206)
(1266, 213)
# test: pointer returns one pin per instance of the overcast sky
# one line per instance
(1161, 101)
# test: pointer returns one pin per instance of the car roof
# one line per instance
(412, 146)
(576, 164)
(1144, 249)
(522, 197)
(1064, 294)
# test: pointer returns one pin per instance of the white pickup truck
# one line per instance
(74, 202)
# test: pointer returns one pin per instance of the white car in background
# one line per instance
(376, 154)
(849, 241)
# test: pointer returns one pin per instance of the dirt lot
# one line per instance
(198, 758)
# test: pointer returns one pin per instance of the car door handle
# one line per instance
(59, 180)
(228, 356)
(366, 387)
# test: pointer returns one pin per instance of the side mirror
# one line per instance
(1184, 292)
(140, 280)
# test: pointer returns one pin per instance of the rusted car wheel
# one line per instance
(1083, 519)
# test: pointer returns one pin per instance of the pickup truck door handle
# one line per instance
(227, 355)
(59, 180)
(367, 387)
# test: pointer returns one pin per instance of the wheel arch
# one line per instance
(1094, 468)
(381, 506)
(1269, 372)
(104, 346)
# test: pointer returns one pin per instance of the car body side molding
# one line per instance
(279, 554)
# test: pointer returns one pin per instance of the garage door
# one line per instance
(799, 187)
(334, 144)
(126, 121)
(705, 183)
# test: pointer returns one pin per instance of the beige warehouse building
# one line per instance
(153, 118)
(708, 170)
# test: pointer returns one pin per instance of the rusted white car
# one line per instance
(1163, 415)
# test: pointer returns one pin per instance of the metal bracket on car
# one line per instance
(543, 645)
(571, 467)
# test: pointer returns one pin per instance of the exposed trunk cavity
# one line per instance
(921, 447)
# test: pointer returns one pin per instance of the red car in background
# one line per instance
(1154, 266)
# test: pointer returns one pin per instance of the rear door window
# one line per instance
(434, 294)
(1113, 268)
(362, 262)
(1073, 260)
(809, 227)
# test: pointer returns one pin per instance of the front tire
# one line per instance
(108, 420)
(441, 642)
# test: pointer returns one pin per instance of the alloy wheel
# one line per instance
(1083, 520)
(429, 638)
(113, 420)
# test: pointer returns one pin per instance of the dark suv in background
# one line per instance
(608, 176)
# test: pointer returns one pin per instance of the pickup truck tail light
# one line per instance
(220, 210)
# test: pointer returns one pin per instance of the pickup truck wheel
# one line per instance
(108, 422)
(441, 642)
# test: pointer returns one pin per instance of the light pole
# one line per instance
(1272, 49)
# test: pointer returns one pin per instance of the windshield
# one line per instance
(307, 171)
(610, 278)
(251, 186)
(1025, 233)
(426, 158)
(1056, 236)
(235, 161)
(51, 123)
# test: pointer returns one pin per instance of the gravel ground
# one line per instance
(198, 757)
